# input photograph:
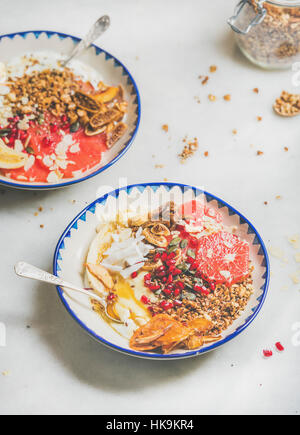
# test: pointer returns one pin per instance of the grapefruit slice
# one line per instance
(200, 216)
(11, 159)
(223, 258)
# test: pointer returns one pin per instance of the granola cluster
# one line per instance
(288, 104)
(276, 41)
(62, 94)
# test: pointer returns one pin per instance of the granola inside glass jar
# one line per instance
(268, 32)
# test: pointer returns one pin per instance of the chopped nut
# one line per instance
(227, 97)
(213, 69)
(260, 153)
(212, 97)
(165, 128)
(256, 90)
(189, 149)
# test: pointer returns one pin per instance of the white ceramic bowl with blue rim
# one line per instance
(74, 244)
(112, 72)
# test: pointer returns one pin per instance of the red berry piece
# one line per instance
(267, 353)
(145, 300)
(279, 347)
(134, 275)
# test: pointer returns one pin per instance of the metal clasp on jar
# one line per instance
(260, 16)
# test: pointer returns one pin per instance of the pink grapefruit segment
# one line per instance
(223, 258)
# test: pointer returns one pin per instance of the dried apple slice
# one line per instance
(102, 274)
(11, 159)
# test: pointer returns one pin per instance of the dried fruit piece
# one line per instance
(108, 95)
(223, 258)
(86, 102)
(279, 347)
(267, 353)
(102, 274)
(101, 119)
(116, 134)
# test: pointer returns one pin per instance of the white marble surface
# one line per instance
(53, 366)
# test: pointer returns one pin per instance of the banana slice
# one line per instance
(3, 73)
(11, 159)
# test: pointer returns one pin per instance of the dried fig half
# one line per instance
(86, 102)
(116, 134)
(101, 119)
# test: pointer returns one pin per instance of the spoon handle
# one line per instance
(26, 270)
(97, 30)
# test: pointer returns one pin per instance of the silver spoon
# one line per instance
(97, 30)
(25, 270)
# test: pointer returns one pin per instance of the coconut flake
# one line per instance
(29, 163)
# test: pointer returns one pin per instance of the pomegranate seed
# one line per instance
(11, 141)
(279, 347)
(176, 272)
(171, 256)
(64, 118)
(147, 277)
(166, 305)
(162, 274)
(46, 142)
(177, 292)
(213, 286)
(194, 266)
(165, 279)
(157, 257)
(201, 289)
(134, 275)
(161, 268)
(167, 291)
(164, 256)
(190, 260)
(154, 287)
(111, 297)
(180, 285)
(145, 300)
(10, 120)
(170, 286)
(170, 263)
(267, 353)
(177, 303)
(170, 279)
(53, 128)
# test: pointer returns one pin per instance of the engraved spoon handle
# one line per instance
(26, 270)
(97, 30)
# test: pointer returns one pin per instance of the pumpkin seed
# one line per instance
(30, 150)
(191, 253)
(183, 244)
(190, 296)
(74, 127)
(175, 242)
(184, 267)
(5, 132)
(172, 249)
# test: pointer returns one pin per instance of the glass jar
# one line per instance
(268, 32)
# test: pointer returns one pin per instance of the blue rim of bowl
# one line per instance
(210, 197)
(49, 33)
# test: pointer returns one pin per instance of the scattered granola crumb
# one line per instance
(295, 278)
(227, 97)
(159, 166)
(286, 149)
(40, 209)
(189, 149)
(36, 213)
(6, 373)
(212, 97)
(165, 128)
(260, 153)
(256, 90)
(205, 80)
(294, 241)
(197, 99)
(266, 202)
(165, 180)
(278, 197)
(42, 226)
(213, 69)
(259, 118)
(234, 131)
(206, 154)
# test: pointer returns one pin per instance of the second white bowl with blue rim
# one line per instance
(112, 72)
(74, 244)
